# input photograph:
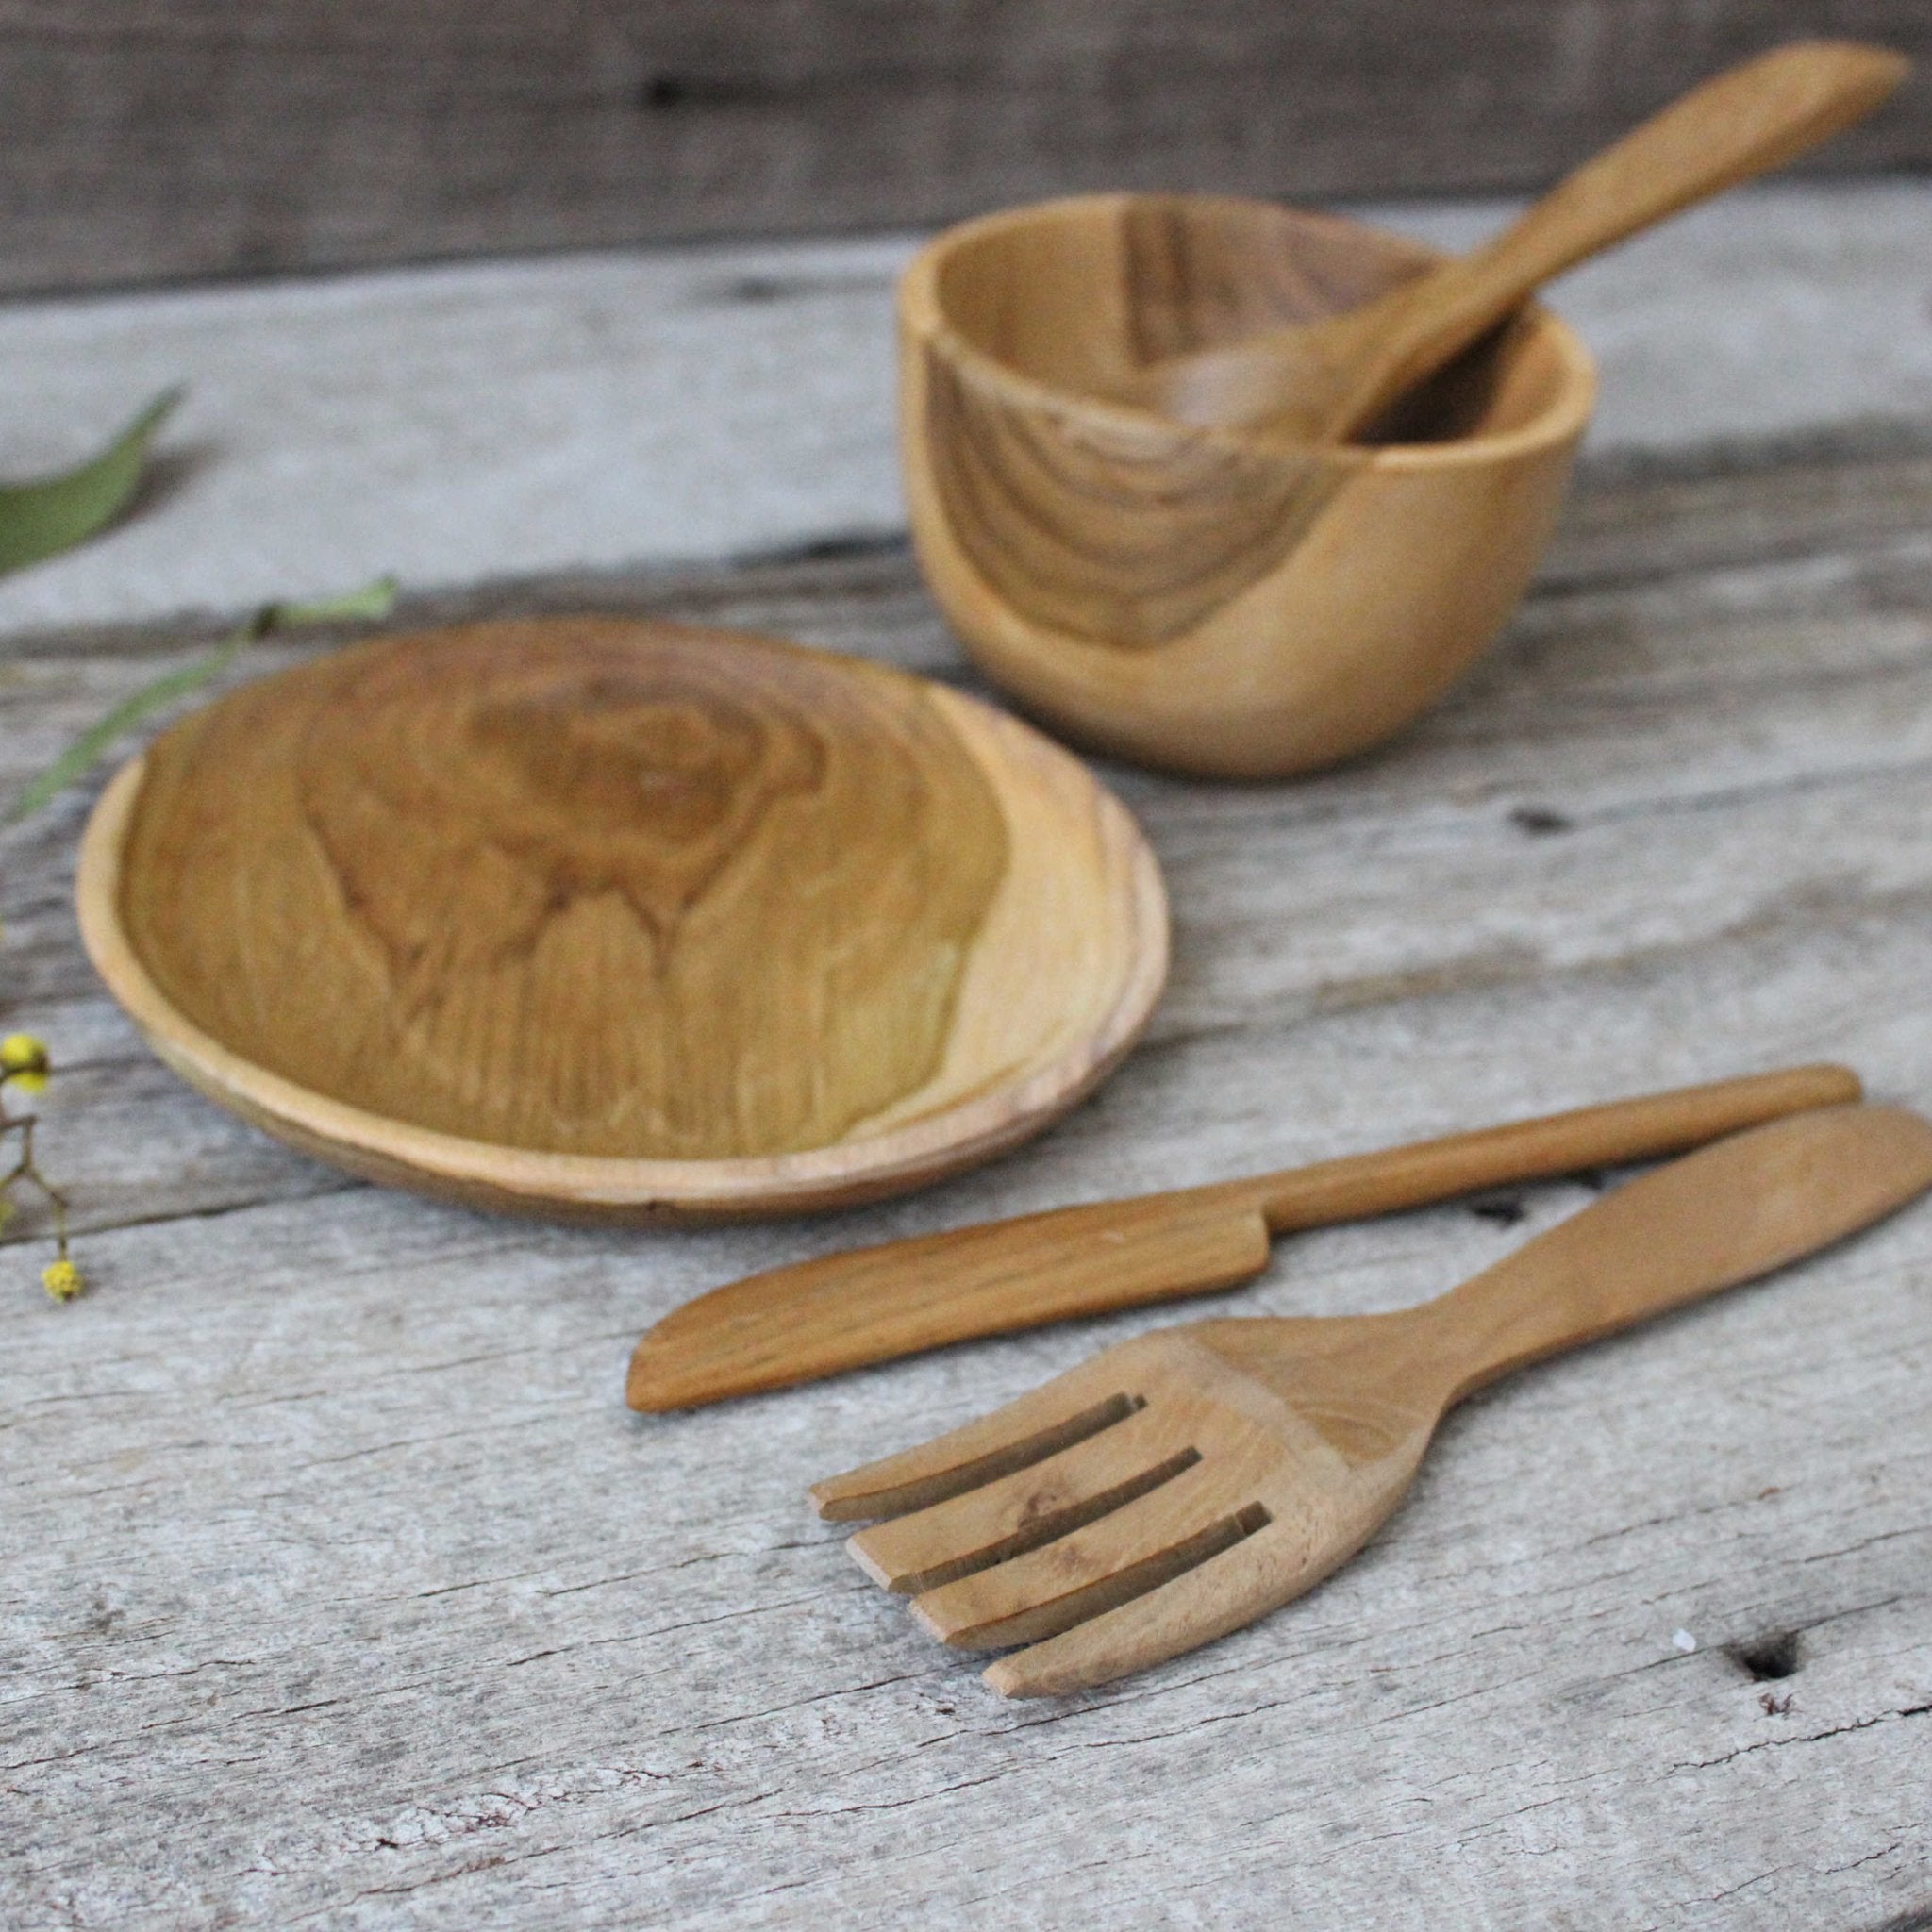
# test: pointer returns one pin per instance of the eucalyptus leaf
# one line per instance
(41, 520)
(367, 604)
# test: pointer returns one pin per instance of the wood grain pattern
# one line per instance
(1114, 531)
(667, 915)
(843, 1311)
(325, 1528)
(1204, 599)
(1332, 380)
(159, 139)
(1180, 1486)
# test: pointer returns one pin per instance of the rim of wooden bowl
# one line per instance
(571, 1186)
(920, 306)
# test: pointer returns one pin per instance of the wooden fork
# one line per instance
(1181, 1485)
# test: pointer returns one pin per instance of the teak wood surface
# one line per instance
(601, 917)
(340, 1588)
(1240, 493)
(1180, 1486)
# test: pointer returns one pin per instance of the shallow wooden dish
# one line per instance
(1211, 601)
(607, 919)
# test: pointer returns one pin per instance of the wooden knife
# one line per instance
(842, 1311)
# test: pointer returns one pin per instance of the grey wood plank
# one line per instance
(1668, 597)
(176, 137)
(337, 1586)
(610, 412)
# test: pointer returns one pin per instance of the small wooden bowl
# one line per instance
(1211, 601)
(605, 919)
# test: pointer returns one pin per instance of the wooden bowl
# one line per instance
(607, 919)
(1211, 601)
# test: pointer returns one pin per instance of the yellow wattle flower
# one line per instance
(24, 1062)
(63, 1279)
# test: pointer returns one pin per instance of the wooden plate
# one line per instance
(610, 919)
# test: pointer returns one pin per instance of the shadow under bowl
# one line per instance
(1213, 600)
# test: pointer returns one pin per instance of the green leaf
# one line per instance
(368, 604)
(40, 520)
(85, 752)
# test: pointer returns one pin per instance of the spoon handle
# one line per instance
(1744, 123)
(1723, 1215)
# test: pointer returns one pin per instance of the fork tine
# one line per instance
(1029, 1506)
(1058, 1413)
(1232, 1589)
(1135, 1549)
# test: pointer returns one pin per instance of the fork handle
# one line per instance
(1723, 1215)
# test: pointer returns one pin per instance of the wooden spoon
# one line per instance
(606, 919)
(1182, 1485)
(1325, 381)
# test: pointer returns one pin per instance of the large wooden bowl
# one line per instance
(607, 918)
(1211, 601)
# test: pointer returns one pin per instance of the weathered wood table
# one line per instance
(338, 1587)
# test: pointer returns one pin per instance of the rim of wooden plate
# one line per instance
(611, 1189)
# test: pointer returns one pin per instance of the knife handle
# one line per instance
(1359, 1185)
